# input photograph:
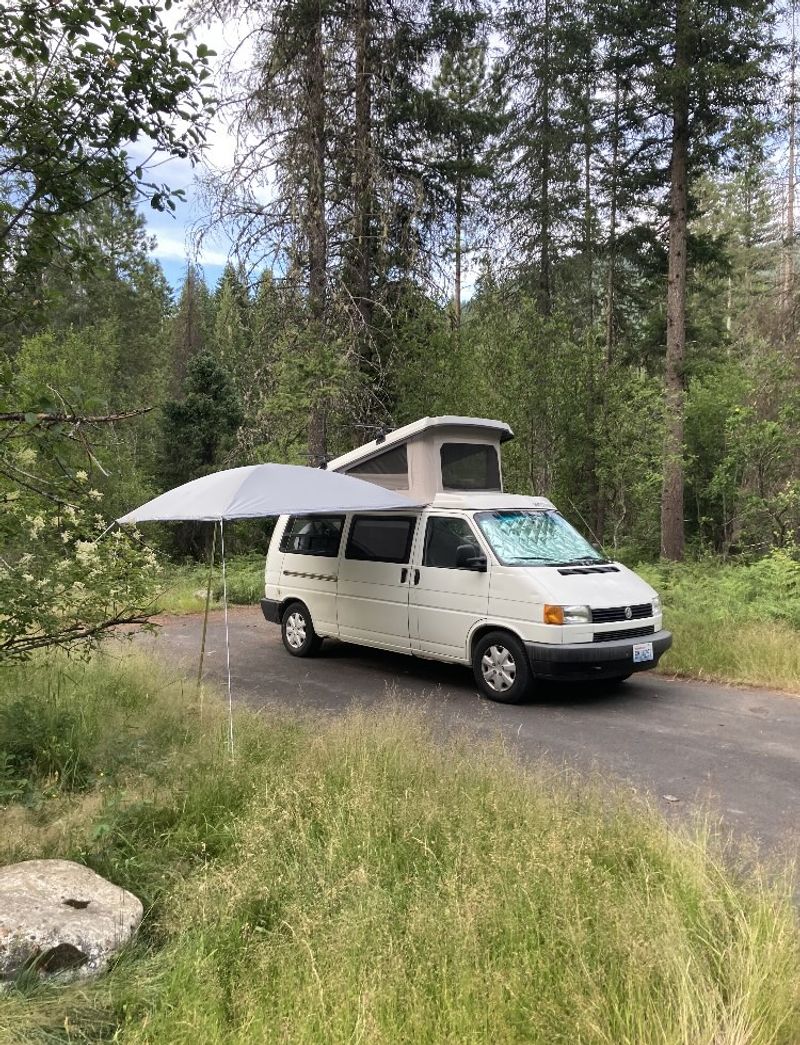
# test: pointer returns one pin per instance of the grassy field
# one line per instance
(359, 882)
(732, 623)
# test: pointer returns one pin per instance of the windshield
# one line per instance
(527, 538)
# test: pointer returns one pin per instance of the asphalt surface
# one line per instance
(689, 745)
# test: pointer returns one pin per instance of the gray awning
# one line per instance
(262, 490)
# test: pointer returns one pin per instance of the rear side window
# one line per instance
(390, 462)
(380, 538)
(470, 466)
(443, 538)
(313, 535)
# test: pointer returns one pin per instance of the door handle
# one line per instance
(403, 575)
(416, 576)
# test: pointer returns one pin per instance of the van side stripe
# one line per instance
(308, 576)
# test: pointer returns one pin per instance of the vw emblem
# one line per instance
(628, 613)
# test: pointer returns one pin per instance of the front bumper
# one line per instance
(591, 660)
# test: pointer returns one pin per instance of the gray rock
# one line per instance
(60, 918)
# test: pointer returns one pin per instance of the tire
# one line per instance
(297, 631)
(501, 669)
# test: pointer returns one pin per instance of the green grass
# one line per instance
(357, 881)
(732, 623)
(184, 586)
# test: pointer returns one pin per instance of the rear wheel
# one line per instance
(500, 666)
(297, 631)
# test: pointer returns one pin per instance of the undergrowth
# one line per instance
(732, 622)
(184, 587)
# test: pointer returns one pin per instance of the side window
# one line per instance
(390, 462)
(443, 538)
(313, 535)
(469, 466)
(384, 538)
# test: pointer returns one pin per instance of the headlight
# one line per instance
(656, 600)
(567, 615)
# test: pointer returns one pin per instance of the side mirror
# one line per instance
(468, 557)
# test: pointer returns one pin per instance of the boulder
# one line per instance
(60, 918)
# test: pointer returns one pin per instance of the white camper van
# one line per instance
(476, 576)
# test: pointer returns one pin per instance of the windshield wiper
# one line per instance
(532, 558)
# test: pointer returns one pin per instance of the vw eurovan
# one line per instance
(474, 576)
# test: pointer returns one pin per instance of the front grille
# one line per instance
(627, 633)
(612, 613)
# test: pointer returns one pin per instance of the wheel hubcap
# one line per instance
(296, 630)
(499, 668)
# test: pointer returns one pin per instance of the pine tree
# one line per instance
(201, 422)
(539, 198)
(192, 324)
(231, 332)
(696, 75)
(462, 122)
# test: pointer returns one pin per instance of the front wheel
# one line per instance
(501, 669)
(297, 631)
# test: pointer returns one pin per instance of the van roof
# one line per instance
(402, 435)
(489, 502)
(467, 502)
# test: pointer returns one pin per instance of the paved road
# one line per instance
(735, 750)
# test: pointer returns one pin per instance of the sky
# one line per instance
(173, 230)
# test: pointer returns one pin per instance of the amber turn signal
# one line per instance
(553, 614)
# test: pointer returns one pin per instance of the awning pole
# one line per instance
(227, 633)
(205, 618)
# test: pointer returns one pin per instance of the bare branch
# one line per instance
(46, 419)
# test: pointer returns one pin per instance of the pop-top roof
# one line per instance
(402, 435)
(490, 502)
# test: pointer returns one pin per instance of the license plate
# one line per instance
(642, 651)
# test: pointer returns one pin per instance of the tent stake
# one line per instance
(205, 618)
(227, 633)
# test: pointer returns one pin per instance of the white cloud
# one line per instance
(174, 248)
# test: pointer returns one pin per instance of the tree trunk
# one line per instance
(672, 531)
(608, 346)
(787, 287)
(587, 195)
(595, 393)
(545, 260)
(315, 222)
(612, 231)
(459, 206)
(459, 220)
(362, 173)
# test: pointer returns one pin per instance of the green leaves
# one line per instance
(120, 75)
(61, 585)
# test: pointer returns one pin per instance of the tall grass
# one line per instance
(734, 623)
(357, 881)
(184, 587)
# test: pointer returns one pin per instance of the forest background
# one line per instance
(578, 218)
